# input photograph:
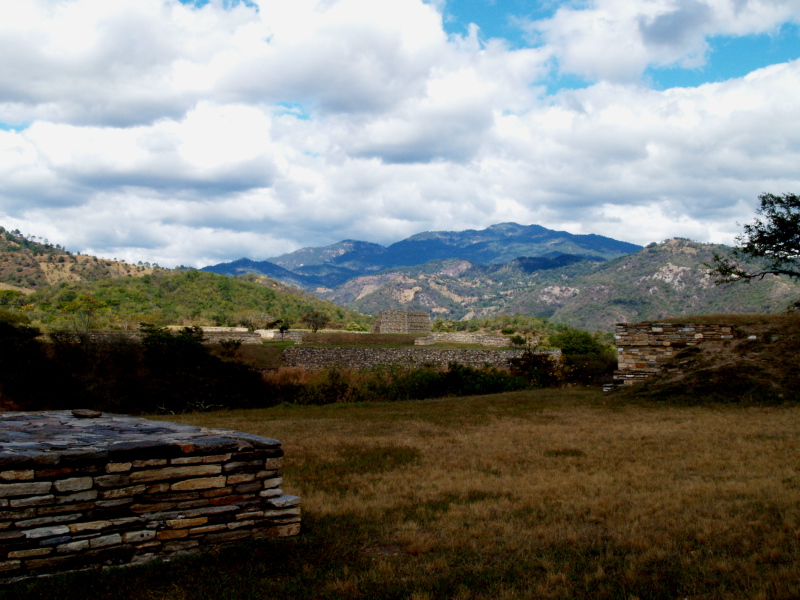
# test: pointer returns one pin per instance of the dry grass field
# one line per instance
(540, 494)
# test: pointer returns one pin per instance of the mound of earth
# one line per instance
(761, 365)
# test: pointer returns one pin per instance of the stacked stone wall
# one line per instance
(644, 348)
(495, 341)
(367, 358)
(274, 335)
(209, 337)
(79, 493)
(402, 321)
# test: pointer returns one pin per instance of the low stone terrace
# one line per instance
(81, 489)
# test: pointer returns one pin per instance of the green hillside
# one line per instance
(186, 297)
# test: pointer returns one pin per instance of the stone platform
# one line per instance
(79, 489)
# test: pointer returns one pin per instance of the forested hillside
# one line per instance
(187, 297)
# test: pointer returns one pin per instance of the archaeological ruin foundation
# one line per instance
(644, 348)
(80, 489)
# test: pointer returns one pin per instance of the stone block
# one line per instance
(202, 483)
(75, 484)
(284, 501)
(175, 473)
(9, 565)
(186, 523)
(79, 497)
(133, 537)
(43, 532)
(272, 483)
(89, 526)
(240, 478)
(105, 540)
(124, 492)
(193, 460)
(118, 467)
(26, 474)
(33, 488)
(172, 534)
(109, 481)
(154, 462)
(77, 546)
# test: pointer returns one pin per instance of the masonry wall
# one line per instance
(366, 358)
(402, 321)
(496, 341)
(135, 501)
(209, 337)
(644, 348)
(274, 335)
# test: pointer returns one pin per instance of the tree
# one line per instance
(283, 326)
(576, 342)
(83, 309)
(255, 319)
(315, 320)
(774, 239)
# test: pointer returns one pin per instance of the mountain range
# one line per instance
(587, 281)
(334, 265)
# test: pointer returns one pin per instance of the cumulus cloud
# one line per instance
(616, 40)
(155, 130)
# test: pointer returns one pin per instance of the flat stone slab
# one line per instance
(62, 437)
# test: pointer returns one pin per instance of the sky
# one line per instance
(198, 132)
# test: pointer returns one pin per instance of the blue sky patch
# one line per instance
(731, 57)
(299, 111)
(496, 18)
(226, 3)
(16, 128)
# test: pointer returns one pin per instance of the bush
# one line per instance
(576, 341)
(540, 370)
(166, 373)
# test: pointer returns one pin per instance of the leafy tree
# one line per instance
(518, 340)
(83, 310)
(11, 298)
(315, 320)
(774, 239)
(255, 319)
(13, 318)
(576, 342)
(283, 327)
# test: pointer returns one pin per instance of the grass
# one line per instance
(541, 494)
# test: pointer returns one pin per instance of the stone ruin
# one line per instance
(402, 321)
(79, 490)
(644, 348)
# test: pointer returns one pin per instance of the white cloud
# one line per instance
(616, 40)
(166, 133)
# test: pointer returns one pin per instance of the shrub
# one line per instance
(540, 370)
(576, 341)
